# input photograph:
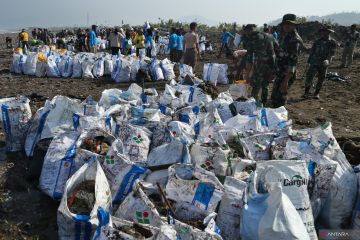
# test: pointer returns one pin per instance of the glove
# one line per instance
(326, 63)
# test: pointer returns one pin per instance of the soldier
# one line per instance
(351, 39)
(286, 60)
(260, 58)
(320, 57)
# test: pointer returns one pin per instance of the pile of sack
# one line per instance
(139, 164)
(46, 62)
(67, 64)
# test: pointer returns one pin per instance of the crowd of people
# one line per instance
(272, 54)
(144, 40)
(117, 40)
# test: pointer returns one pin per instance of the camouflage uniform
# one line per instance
(350, 43)
(322, 49)
(286, 61)
(260, 53)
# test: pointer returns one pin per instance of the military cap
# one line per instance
(250, 27)
(326, 28)
(290, 18)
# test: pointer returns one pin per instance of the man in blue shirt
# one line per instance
(225, 37)
(149, 42)
(180, 44)
(92, 42)
(173, 45)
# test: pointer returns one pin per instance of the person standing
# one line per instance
(275, 33)
(24, 40)
(149, 42)
(80, 42)
(286, 59)
(87, 40)
(173, 45)
(180, 45)
(116, 38)
(34, 34)
(351, 39)
(146, 27)
(225, 39)
(93, 39)
(191, 46)
(260, 59)
(139, 41)
(156, 33)
(9, 42)
(127, 43)
(45, 37)
(133, 33)
(61, 40)
(39, 33)
(108, 32)
(320, 57)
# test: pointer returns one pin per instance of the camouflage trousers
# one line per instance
(348, 55)
(278, 98)
(260, 81)
(312, 71)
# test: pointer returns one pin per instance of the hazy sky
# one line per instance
(26, 13)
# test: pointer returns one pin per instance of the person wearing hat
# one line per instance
(260, 59)
(320, 57)
(116, 37)
(92, 39)
(139, 41)
(351, 39)
(24, 40)
(286, 60)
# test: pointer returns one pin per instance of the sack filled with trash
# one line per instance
(18, 62)
(121, 70)
(99, 67)
(156, 71)
(59, 164)
(66, 66)
(29, 68)
(117, 228)
(168, 69)
(85, 192)
(136, 141)
(50, 119)
(294, 178)
(271, 215)
(194, 191)
(230, 209)
(121, 172)
(15, 117)
(87, 67)
(52, 69)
